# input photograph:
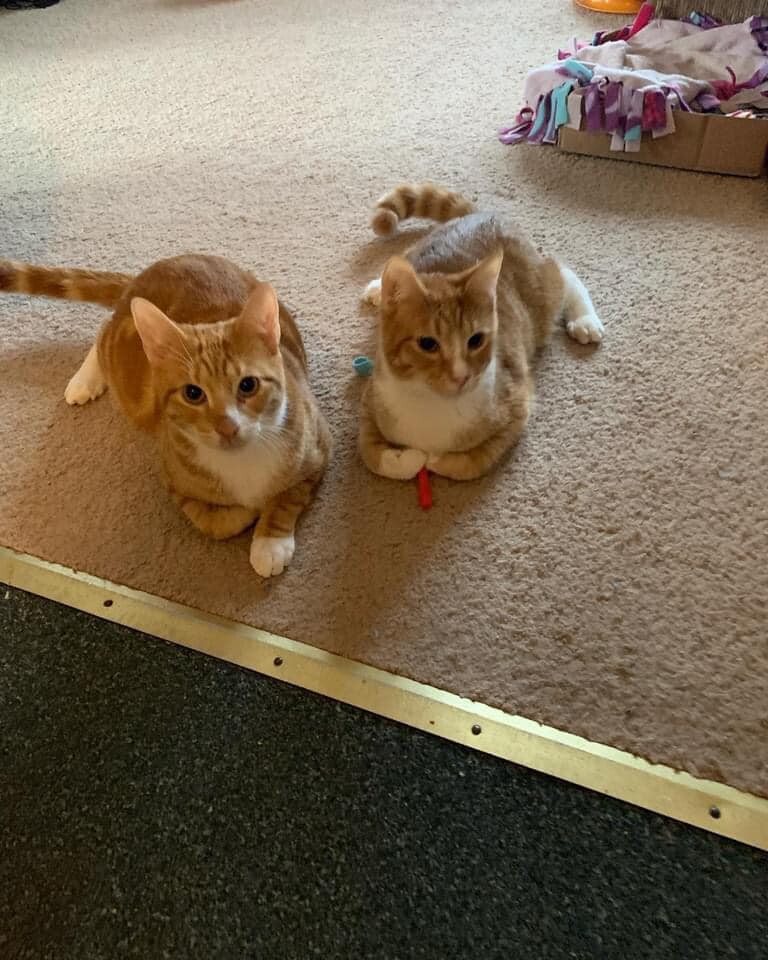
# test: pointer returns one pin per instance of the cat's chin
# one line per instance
(228, 443)
(453, 390)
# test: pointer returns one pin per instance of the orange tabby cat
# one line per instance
(461, 318)
(205, 357)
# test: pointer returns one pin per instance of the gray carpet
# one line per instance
(157, 803)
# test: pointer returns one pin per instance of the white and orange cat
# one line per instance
(461, 317)
(204, 356)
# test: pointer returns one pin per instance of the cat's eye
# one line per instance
(248, 386)
(193, 393)
(428, 344)
(476, 341)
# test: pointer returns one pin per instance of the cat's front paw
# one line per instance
(271, 555)
(586, 329)
(456, 466)
(84, 387)
(443, 465)
(401, 464)
(372, 293)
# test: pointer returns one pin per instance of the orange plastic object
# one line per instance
(611, 6)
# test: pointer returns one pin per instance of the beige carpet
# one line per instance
(612, 579)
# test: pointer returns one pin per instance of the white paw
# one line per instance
(372, 293)
(82, 388)
(401, 464)
(586, 329)
(271, 555)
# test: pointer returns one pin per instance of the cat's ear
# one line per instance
(162, 339)
(261, 316)
(481, 279)
(399, 282)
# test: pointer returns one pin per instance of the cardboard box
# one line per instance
(704, 142)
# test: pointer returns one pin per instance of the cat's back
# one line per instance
(192, 288)
(461, 243)
(202, 288)
(196, 288)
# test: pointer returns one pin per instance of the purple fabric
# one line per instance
(543, 117)
(703, 20)
(613, 118)
(550, 130)
(635, 115)
(654, 111)
(643, 17)
(521, 128)
(680, 103)
(593, 108)
(707, 103)
(759, 28)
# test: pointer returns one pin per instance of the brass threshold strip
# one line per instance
(712, 806)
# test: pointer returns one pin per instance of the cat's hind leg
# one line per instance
(88, 383)
(475, 463)
(581, 319)
(217, 522)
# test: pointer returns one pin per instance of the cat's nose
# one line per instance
(226, 427)
(459, 374)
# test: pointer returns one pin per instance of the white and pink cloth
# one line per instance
(632, 81)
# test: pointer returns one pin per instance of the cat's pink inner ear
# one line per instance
(162, 339)
(261, 316)
(483, 278)
(399, 282)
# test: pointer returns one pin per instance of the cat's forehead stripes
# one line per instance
(447, 320)
(214, 357)
(451, 323)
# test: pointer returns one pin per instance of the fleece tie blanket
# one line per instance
(632, 85)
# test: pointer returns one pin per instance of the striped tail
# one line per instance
(90, 286)
(417, 200)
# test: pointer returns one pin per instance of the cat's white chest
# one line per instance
(417, 417)
(250, 476)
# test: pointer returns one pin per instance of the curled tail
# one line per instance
(90, 286)
(417, 200)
